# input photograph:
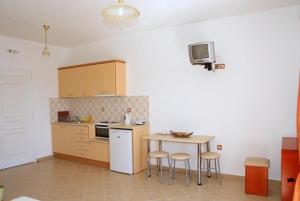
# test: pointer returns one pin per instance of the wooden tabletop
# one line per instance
(194, 139)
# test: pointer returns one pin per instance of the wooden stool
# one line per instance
(256, 181)
(159, 155)
(181, 157)
(208, 156)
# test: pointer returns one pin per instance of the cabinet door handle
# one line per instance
(291, 180)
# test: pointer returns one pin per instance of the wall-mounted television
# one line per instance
(202, 53)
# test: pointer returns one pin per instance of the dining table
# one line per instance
(199, 140)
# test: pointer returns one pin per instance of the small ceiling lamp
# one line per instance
(121, 12)
(45, 50)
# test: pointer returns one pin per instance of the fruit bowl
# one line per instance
(181, 134)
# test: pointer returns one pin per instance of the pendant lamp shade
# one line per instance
(120, 12)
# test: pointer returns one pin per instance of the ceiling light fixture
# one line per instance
(121, 12)
(45, 50)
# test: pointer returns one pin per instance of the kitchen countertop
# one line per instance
(120, 126)
(73, 123)
(125, 126)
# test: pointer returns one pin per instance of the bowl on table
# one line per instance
(181, 134)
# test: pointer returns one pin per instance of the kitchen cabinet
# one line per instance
(106, 78)
(61, 143)
(76, 142)
(81, 141)
(99, 151)
(72, 142)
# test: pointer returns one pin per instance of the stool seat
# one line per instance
(180, 156)
(158, 154)
(257, 162)
(210, 155)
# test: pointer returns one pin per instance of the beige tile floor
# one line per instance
(62, 180)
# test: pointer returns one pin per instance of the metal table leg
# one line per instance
(199, 171)
(208, 161)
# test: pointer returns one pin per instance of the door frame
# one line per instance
(31, 131)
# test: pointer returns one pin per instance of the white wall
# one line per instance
(44, 82)
(248, 106)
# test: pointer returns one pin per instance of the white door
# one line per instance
(15, 121)
(120, 145)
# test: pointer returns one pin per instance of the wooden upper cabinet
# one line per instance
(94, 79)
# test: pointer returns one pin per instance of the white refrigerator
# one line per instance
(120, 147)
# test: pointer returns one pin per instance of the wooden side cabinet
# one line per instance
(93, 79)
(289, 167)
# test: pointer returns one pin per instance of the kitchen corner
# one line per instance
(94, 122)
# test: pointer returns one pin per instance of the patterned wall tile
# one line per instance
(102, 108)
(56, 105)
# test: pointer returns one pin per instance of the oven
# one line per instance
(102, 131)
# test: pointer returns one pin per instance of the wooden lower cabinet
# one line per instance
(61, 135)
(72, 142)
(289, 167)
(99, 151)
(77, 142)
(139, 148)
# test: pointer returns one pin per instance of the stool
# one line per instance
(181, 157)
(208, 156)
(256, 181)
(159, 155)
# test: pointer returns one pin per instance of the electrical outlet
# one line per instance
(222, 66)
(219, 147)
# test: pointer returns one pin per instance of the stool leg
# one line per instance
(169, 180)
(220, 175)
(148, 168)
(188, 162)
(216, 168)
(174, 168)
(161, 172)
(171, 170)
(157, 166)
(186, 172)
(207, 167)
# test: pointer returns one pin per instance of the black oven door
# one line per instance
(102, 131)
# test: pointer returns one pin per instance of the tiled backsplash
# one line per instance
(102, 108)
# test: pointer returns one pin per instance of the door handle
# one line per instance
(291, 180)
